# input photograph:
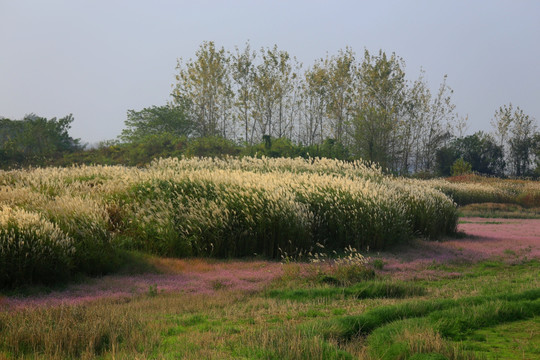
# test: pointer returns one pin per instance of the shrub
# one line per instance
(461, 167)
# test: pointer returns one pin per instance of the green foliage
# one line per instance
(461, 167)
(330, 149)
(157, 120)
(204, 85)
(444, 159)
(479, 150)
(138, 153)
(211, 147)
(378, 264)
(382, 95)
(274, 148)
(517, 131)
(35, 140)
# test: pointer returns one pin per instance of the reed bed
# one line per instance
(219, 208)
(474, 189)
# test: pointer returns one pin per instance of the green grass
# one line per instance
(512, 340)
(492, 308)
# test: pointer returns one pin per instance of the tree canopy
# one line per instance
(34, 139)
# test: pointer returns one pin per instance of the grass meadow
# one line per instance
(266, 259)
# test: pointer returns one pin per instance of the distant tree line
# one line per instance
(35, 140)
(247, 102)
(365, 104)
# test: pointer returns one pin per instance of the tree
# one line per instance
(376, 126)
(444, 160)
(516, 131)
(341, 91)
(435, 131)
(34, 139)
(156, 120)
(205, 84)
(273, 92)
(479, 150)
(482, 152)
(537, 155)
(242, 74)
(501, 123)
(521, 142)
(315, 102)
(461, 167)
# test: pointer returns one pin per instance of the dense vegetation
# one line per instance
(239, 164)
(57, 221)
(74, 218)
(35, 140)
(249, 103)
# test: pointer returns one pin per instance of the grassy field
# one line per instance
(349, 263)
(425, 300)
(489, 310)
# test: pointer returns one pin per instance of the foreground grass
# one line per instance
(491, 311)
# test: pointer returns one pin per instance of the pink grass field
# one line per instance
(511, 240)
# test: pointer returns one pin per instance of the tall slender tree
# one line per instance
(204, 82)
(342, 88)
(242, 71)
(383, 90)
(315, 103)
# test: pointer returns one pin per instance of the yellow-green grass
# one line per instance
(472, 189)
(496, 210)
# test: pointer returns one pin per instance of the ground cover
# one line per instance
(472, 297)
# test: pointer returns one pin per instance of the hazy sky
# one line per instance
(97, 59)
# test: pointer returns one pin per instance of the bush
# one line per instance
(211, 147)
(461, 167)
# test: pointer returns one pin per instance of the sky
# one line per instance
(96, 59)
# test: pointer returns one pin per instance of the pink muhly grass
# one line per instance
(511, 240)
(234, 276)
